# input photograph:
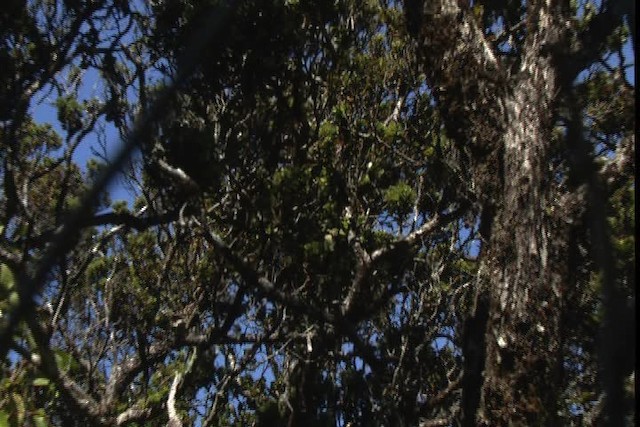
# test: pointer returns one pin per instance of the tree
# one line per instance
(342, 213)
(502, 111)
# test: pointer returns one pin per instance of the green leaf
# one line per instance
(391, 131)
(39, 421)
(120, 206)
(69, 113)
(329, 243)
(41, 382)
(400, 197)
(6, 279)
(65, 361)
(4, 419)
(157, 396)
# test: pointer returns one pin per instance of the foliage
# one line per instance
(306, 239)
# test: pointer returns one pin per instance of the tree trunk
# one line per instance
(502, 120)
(522, 336)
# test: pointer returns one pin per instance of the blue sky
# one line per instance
(44, 111)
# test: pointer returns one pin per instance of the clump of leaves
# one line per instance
(399, 199)
(69, 113)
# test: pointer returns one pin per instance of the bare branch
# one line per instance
(72, 392)
(174, 419)
(129, 220)
(368, 262)
(132, 415)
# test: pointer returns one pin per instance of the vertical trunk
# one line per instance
(523, 331)
(503, 122)
(524, 284)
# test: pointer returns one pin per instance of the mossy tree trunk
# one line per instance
(501, 116)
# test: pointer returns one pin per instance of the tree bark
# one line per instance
(502, 120)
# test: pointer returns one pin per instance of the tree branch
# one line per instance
(269, 290)
(368, 262)
(132, 415)
(130, 220)
(73, 394)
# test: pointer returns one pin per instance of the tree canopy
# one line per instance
(339, 212)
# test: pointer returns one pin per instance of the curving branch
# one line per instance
(134, 221)
(368, 262)
(71, 391)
